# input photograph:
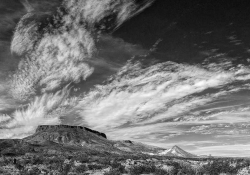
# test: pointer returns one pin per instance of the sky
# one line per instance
(163, 73)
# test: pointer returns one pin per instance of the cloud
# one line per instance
(6, 100)
(46, 6)
(58, 58)
(27, 5)
(46, 109)
(94, 11)
(11, 12)
(145, 133)
(235, 122)
(168, 103)
(55, 50)
(138, 95)
(59, 49)
(236, 150)
(157, 103)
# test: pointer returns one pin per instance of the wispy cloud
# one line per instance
(237, 150)
(61, 51)
(158, 92)
(55, 50)
(94, 11)
(165, 101)
(27, 5)
(58, 58)
(9, 16)
(161, 104)
(46, 109)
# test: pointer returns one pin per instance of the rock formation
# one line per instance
(76, 128)
(69, 135)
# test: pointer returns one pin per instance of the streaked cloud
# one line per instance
(199, 106)
(237, 150)
(61, 52)
(138, 95)
(46, 109)
(55, 49)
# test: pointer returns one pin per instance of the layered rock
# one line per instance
(176, 151)
(76, 128)
(69, 135)
(59, 139)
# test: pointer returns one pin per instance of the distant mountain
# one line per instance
(68, 139)
(176, 151)
(67, 135)
(131, 146)
(63, 139)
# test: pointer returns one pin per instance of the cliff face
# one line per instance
(69, 135)
(60, 138)
(43, 128)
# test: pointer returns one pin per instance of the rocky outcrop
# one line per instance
(67, 135)
(176, 151)
(75, 128)
(55, 139)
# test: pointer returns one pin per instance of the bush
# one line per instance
(105, 160)
(145, 169)
(140, 169)
(37, 160)
(1, 170)
(219, 166)
(95, 167)
(81, 169)
(161, 172)
(66, 168)
(244, 171)
(186, 169)
(113, 172)
(83, 159)
(34, 171)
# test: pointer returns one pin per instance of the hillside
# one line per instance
(176, 151)
(63, 149)
(67, 135)
(64, 138)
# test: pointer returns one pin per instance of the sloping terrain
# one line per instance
(131, 146)
(61, 139)
(65, 139)
(63, 149)
(67, 135)
(176, 151)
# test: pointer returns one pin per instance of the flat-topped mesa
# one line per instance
(76, 128)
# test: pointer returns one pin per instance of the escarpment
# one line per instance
(65, 139)
(64, 134)
(73, 128)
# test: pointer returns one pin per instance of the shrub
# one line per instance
(54, 160)
(113, 172)
(1, 170)
(34, 171)
(220, 166)
(81, 169)
(105, 160)
(65, 169)
(117, 166)
(186, 168)
(37, 160)
(82, 159)
(244, 171)
(160, 172)
(95, 166)
(140, 169)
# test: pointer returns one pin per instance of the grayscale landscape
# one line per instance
(64, 149)
(124, 87)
